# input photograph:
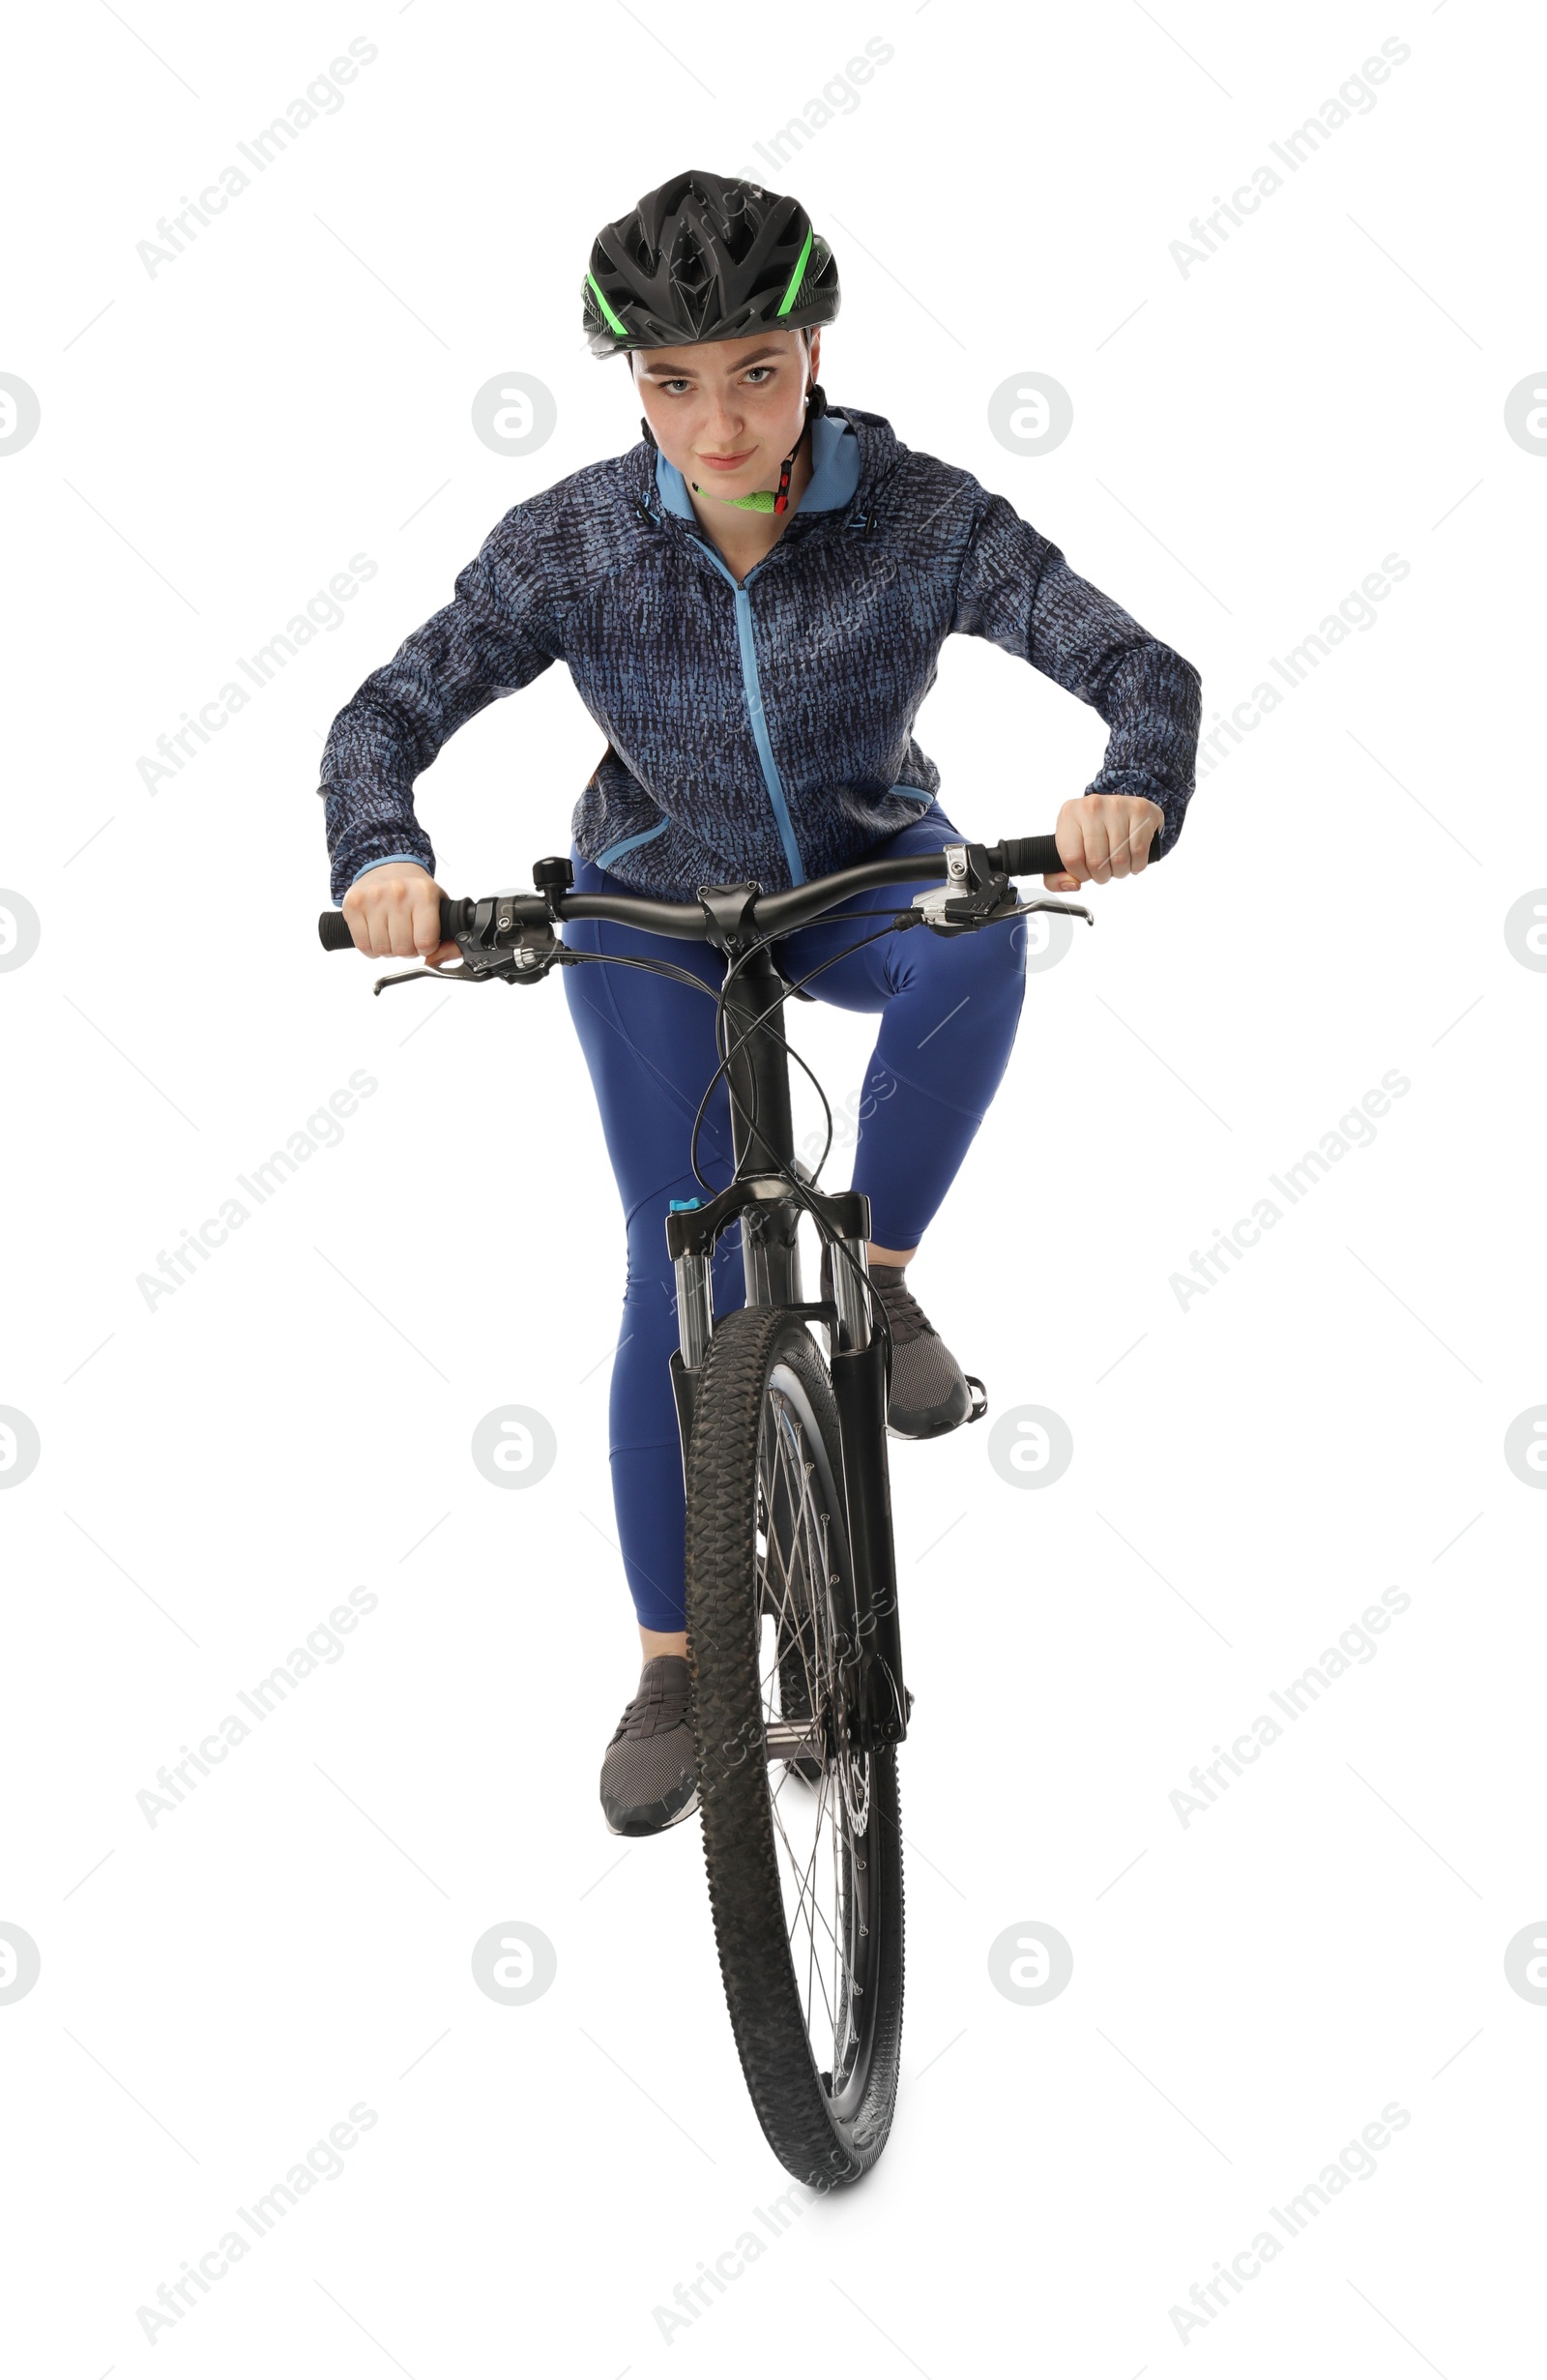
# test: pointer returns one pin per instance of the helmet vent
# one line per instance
(706, 257)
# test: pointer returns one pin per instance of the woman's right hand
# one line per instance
(394, 912)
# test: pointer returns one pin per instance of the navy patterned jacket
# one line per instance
(764, 731)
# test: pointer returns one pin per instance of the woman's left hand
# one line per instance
(1102, 835)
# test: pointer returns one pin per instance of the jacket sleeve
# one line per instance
(498, 633)
(1017, 590)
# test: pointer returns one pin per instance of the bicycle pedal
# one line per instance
(980, 1398)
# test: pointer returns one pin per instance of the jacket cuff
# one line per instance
(385, 861)
(365, 833)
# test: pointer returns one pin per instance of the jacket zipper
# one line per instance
(751, 686)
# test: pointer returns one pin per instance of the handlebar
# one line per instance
(771, 913)
(1033, 855)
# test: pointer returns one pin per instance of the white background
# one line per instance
(1250, 1472)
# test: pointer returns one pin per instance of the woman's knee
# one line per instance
(988, 964)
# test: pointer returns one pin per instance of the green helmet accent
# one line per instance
(795, 277)
(619, 329)
(703, 258)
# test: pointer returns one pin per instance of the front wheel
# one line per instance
(801, 1832)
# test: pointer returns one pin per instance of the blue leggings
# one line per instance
(949, 1007)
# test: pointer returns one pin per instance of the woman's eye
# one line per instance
(758, 372)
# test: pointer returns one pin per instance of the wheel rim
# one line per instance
(820, 1787)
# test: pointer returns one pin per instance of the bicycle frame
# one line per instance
(769, 1212)
(513, 938)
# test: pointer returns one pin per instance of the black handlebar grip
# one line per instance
(1028, 855)
(332, 927)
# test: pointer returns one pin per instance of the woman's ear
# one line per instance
(816, 402)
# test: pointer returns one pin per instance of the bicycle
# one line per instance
(797, 1698)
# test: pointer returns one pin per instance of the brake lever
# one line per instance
(946, 912)
(494, 949)
(428, 975)
(1065, 908)
(977, 892)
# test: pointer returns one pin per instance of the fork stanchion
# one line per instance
(849, 1293)
(695, 1308)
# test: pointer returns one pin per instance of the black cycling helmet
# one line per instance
(704, 259)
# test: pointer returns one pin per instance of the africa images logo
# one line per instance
(1355, 1130)
(324, 96)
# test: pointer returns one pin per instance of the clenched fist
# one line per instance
(394, 912)
(1099, 837)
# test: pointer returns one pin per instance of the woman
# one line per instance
(751, 602)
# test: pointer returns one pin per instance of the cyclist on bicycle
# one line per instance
(751, 603)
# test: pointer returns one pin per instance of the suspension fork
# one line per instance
(879, 1700)
(769, 1216)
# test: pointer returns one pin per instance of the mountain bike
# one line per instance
(795, 1651)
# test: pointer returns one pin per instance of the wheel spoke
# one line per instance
(805, 1889)
(801, 1678)
(806, 1908)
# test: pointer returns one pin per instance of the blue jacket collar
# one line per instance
(832, 483)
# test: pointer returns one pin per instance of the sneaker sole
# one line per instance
(636, 1823)
(936, 1420)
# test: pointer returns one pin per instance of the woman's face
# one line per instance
(726, 412)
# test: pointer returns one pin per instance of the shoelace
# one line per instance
(646, 1713)
(904, 1313)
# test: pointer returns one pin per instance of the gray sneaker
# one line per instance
(931, 1393)
(648, 1777)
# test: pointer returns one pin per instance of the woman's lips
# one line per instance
(727, 463)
